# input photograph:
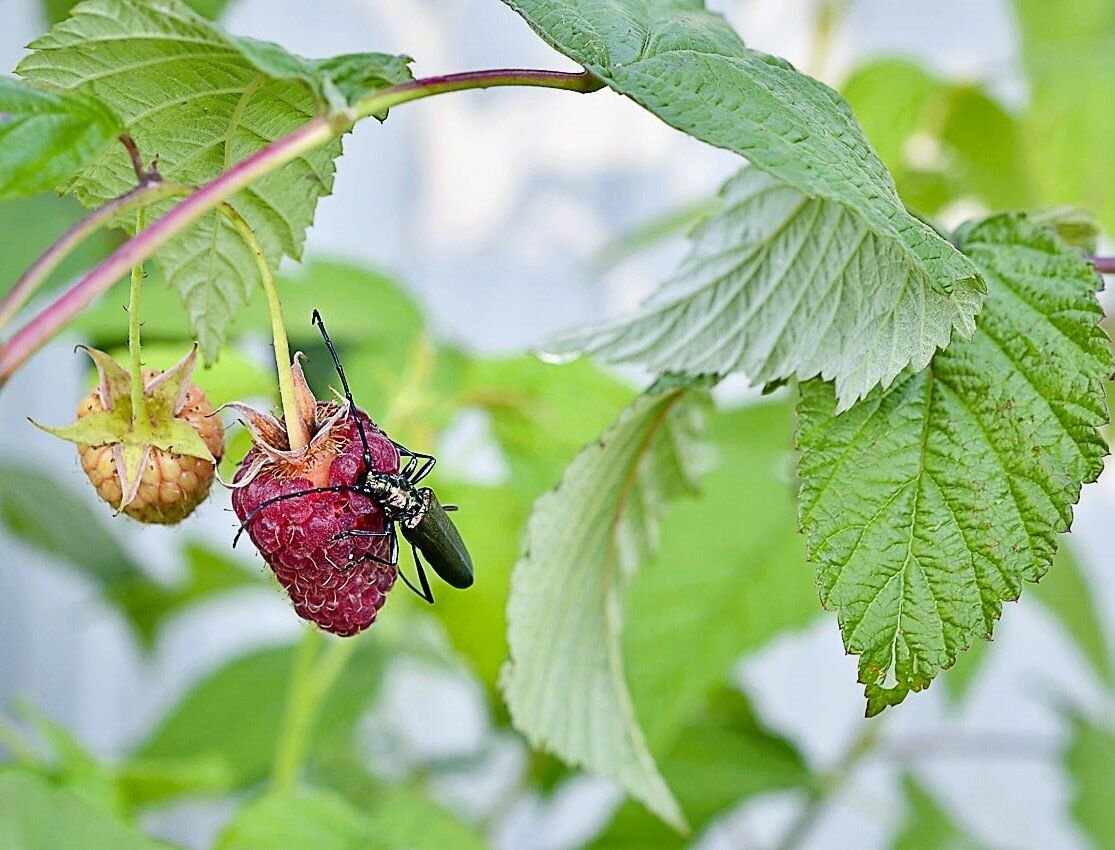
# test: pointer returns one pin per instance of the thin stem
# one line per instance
(308, 137)
(296, 429)
(40, 270)
(141, 420)
(1104, 265)
(309, 686)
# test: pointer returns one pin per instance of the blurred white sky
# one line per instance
(488, 205)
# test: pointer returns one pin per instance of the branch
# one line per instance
(1104, 265)
(308, 137)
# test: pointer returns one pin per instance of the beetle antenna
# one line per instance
(316, 319)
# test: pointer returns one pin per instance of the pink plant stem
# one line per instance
(308, 137)
(1104, 265)
(40, 270)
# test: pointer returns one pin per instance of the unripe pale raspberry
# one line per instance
(171, 485)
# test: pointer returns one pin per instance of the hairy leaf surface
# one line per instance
(200, 101)
(564, 684)
(687, 66)
(46, 137)
(779, 284)
(930, 503)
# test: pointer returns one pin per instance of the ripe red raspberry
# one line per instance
(332, 582)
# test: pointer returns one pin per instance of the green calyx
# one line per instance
(133, 438)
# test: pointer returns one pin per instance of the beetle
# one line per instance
(423, 520)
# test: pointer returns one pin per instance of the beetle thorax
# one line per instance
(399, 498)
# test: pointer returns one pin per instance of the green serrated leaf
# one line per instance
(687, 66)
(928, 825)
(1090, 761)
(200, 101)
(47, 137)
(780, 284)
(929, 504)
(564, 683)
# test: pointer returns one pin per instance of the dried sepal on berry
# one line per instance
(158, 470)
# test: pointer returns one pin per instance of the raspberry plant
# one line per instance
(950, 388)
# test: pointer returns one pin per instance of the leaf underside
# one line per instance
(199, 101)
(564, 684)
(688, 67)
(930, 503)
(779, 284)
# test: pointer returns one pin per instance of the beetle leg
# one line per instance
(425, 593)
(251, 516)
(348, 393)
(425, 469)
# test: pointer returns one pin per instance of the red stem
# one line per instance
(308, 137)
(1104, 265)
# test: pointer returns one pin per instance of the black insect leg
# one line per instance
(426, 593)
(409, 472)
(348, 392)
(251, 516)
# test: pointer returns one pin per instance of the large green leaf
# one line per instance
(929, 504)
(47, 137)
(1066, 52)
(721, 758)
(235, 713)
(35, 816)
(201, 101)
(928, 825)
(564, 683)
(56, 10)
(1090, 760)
(779, 284)
(688, 67)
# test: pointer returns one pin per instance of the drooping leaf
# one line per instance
(780, 284)
(720, 759)
(1066, 52)
(930, 504)
(36, 816)
(46, 137)
(235, 713)
(200, 101)
(928, 825)
(564, 683)
(1090, 761)
(688, 67)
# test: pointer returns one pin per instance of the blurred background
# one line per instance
(148, 666)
